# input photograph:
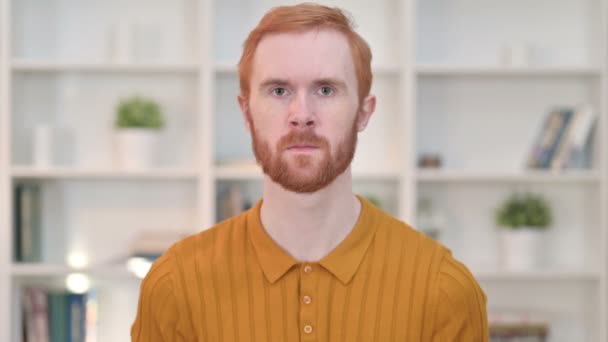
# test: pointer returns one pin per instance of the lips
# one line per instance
(301, 147)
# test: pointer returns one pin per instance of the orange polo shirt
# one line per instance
(384, 282)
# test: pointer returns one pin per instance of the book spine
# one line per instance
(28, 223)
(77, 310)
(555, 125)
(58, 312)
(35, 304)
(559, 160)
(566, 119)
(537, 149)
(575, 159)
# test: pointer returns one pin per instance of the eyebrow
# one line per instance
(273, 82)
(283, 82)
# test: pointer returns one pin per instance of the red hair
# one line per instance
(305, 17)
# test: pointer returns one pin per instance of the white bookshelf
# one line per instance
(544, 275)
(498, 71)
(67, 173)
(386, 69)
(440, 88)
(44, 271)
(535, 176)
(52, 66)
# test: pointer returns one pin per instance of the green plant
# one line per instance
(524, 210)
(139, 112)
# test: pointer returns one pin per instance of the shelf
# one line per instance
(50, 66)
(498, 71)
(22, 172)
(547, 275)
(533, 176)
(384, 69)
(35, 270)
(253, 172)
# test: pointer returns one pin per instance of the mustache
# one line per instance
(301, 138)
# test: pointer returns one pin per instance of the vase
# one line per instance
(520, 248)
(135, 148)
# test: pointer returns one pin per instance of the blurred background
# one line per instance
(120, 133)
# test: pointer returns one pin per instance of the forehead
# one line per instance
(304, 56)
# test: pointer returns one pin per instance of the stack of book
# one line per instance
(55, 316)
(148, 246)
(152, 244)
(517, 327)
(562, 140)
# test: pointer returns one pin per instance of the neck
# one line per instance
(309, 226)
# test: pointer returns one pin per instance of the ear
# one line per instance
(365, 112)
(244, 105)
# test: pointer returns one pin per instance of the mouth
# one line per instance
(302, 148)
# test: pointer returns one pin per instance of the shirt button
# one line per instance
(307, 269)
(308, 328)
(307, 299)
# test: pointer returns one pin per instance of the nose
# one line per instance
(301, 115)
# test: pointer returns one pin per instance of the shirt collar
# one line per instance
(342, 262)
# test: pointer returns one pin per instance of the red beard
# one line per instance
(277, 167)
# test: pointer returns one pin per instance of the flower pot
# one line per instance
(520, 248)
(135, 148)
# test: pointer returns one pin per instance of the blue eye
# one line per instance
(279, 91)
(326, 91)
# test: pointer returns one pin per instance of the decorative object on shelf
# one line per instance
(429, 161)
(523, 218)
(43, 146)
(563, 139)
(429, 220)
(147, 42)
(138, 121)
(516, 55)
(119, 42)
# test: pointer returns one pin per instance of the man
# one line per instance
(310, 261)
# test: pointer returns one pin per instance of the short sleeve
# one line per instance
(157, 311)
(461, 314)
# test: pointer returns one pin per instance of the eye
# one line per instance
(279, 91)
(326, 91)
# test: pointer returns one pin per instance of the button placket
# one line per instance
(308, 315)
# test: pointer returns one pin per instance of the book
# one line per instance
(58, 316)
(565, 116)
(543, 136)
(91, 316)
(572, 150)
(36, 316)
(518, 326)
(554, 128)
(27, 223)
(151, 244)
(77, 319)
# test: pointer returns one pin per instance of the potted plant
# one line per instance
(138, 122)
(524, 218)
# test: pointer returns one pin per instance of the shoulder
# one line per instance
(157, 312)
(411, 242)
(461, 302)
